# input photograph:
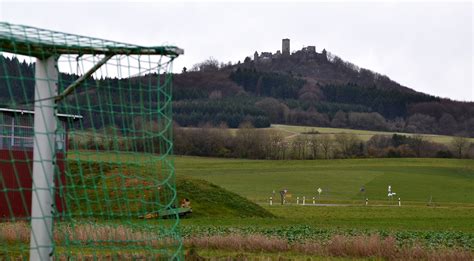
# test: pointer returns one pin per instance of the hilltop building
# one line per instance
(285, 46)
(308, 52)
(309, 49)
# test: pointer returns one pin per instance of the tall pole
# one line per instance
(41, 238)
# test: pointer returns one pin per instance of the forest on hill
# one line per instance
(301, 89)
(312, 90)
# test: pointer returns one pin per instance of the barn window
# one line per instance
(23, 131)
(17, 131)
(6, 130)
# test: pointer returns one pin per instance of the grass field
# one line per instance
(223, 224)
(416, 181)
(291, 131)
(448, 183)
(444, 182)
(448, 223)
(390, 219)
(365, 135)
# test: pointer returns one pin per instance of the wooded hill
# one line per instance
(299, 89)
(315, 90)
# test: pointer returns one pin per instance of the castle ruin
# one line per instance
(285, 46)
(308, 51)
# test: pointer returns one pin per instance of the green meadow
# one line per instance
(437, 200)
(365, 135)
(416, 181)
(435, 194)
(293, 131)
(232, 217)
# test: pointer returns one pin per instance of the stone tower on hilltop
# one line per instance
(285, 46)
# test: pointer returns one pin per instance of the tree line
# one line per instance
(252, 143)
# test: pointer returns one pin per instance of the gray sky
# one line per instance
(425, 46)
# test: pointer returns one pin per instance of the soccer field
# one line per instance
(415, 181)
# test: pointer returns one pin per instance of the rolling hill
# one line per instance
(312, 89)
(304, 88)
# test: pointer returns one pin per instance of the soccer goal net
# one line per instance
(85, 148)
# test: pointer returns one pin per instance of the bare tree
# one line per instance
(417, 143)
(274, 145)
(347, 144)
(274, 109)
(447, 124)
(326, 145)
(211, 64)
(421, 123)
(245, 138)
(339, 120)
(314, 146)
(299, 147)
(460, 145)
(283, 147)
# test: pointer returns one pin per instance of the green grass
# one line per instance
(222, 191)
(210, 200)
(292, 131)
(353, 218)
(364, 135)
(381, 218)
(448, 181)
(239, 255)
(449, 222)
(103, 177)
(415, 181)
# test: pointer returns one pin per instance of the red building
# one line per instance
(16, 162)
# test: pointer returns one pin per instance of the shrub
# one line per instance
(444, 154)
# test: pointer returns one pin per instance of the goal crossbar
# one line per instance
(43, 43)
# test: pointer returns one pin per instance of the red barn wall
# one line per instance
(16, 180)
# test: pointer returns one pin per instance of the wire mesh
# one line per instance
(114, 193)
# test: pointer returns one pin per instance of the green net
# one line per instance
(85, 148)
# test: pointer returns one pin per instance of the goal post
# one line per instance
(85, 147)
(46, 75)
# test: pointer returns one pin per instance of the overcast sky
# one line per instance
(425, 46)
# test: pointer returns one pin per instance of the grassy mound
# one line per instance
(112, 190)
(210, 200)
